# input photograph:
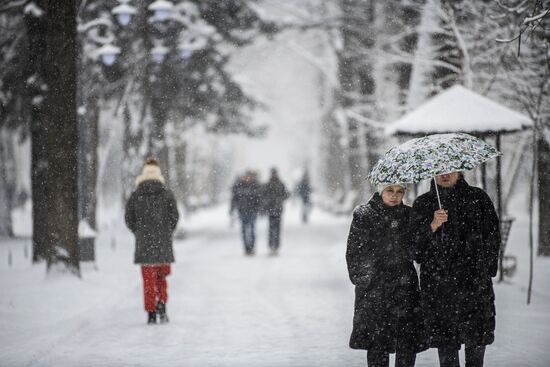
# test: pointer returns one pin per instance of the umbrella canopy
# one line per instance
(430, 156)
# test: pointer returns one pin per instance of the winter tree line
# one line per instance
(391, 57)
(54, 88)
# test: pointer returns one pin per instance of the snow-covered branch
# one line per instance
(468, 77)
(536, 18)
(11, 4)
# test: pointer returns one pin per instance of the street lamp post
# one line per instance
(124, 12)
(108, 54)
(193, 33)
(151, 45)
(159, 53)
(161, 9)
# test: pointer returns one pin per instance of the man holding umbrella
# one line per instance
(457, 247)
(455, 236)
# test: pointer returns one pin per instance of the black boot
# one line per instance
(161, 310)
(152, 317)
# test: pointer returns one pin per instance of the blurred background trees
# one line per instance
(158, 84)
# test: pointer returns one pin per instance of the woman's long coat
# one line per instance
(152, 215)
(387, 309)
(457, 263)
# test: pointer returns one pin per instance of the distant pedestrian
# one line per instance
(457, 248)
(152, 215)
(246, 200)
(273, 198)
(388, 317)
(303, 190)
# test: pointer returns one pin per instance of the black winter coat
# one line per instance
(457, 263)
(273, 197)
(303, 189)
(246, 197)
(152, 215)
(387, 306)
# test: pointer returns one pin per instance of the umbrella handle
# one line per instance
(437, 192)
(439, 202)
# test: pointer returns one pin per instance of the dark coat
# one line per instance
(303, 189)
(387, 302)
(152, 215)
(273, 197)
(455, 274)
(246, 197)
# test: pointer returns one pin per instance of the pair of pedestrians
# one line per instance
(457, 248)
(250, 198)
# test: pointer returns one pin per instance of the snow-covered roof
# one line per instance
(458, 109)
(85, 230)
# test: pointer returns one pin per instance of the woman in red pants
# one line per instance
(152, 215)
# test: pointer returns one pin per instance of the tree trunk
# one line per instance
(134, 149)
(335, 167)
(543, 169)
(62, 218)
(358, 85)
(88, 161)
(180, 186)
(408, 45)
(35, 75)
(157, 138)
(7, 183)
(39, 174)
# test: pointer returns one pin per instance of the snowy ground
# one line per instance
(226, 309)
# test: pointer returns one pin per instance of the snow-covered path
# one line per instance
(226, 309)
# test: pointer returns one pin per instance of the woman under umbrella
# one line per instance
(387, 315)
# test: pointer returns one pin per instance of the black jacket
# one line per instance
(246, 197)
(273, 197)
(457, 263)
(387, 309)
(303, 189)
(152, 215)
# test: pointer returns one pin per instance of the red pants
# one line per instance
(155, 288)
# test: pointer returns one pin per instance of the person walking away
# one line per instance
(303, 189)
(152, 215)
(274, 196)
(246, 200)
(457, 248)
(388, 317)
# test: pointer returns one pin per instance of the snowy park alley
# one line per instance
(214, 89)
(227, 309)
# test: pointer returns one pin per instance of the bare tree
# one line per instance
(375, 68)
(528, 73)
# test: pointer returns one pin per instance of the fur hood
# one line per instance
(150, 172)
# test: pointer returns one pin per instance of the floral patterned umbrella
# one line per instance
(430, 156)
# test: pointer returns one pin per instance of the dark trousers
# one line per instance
(377, 358)
(306, 208)
(274, 231)
(448, 356)
(248, 231)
